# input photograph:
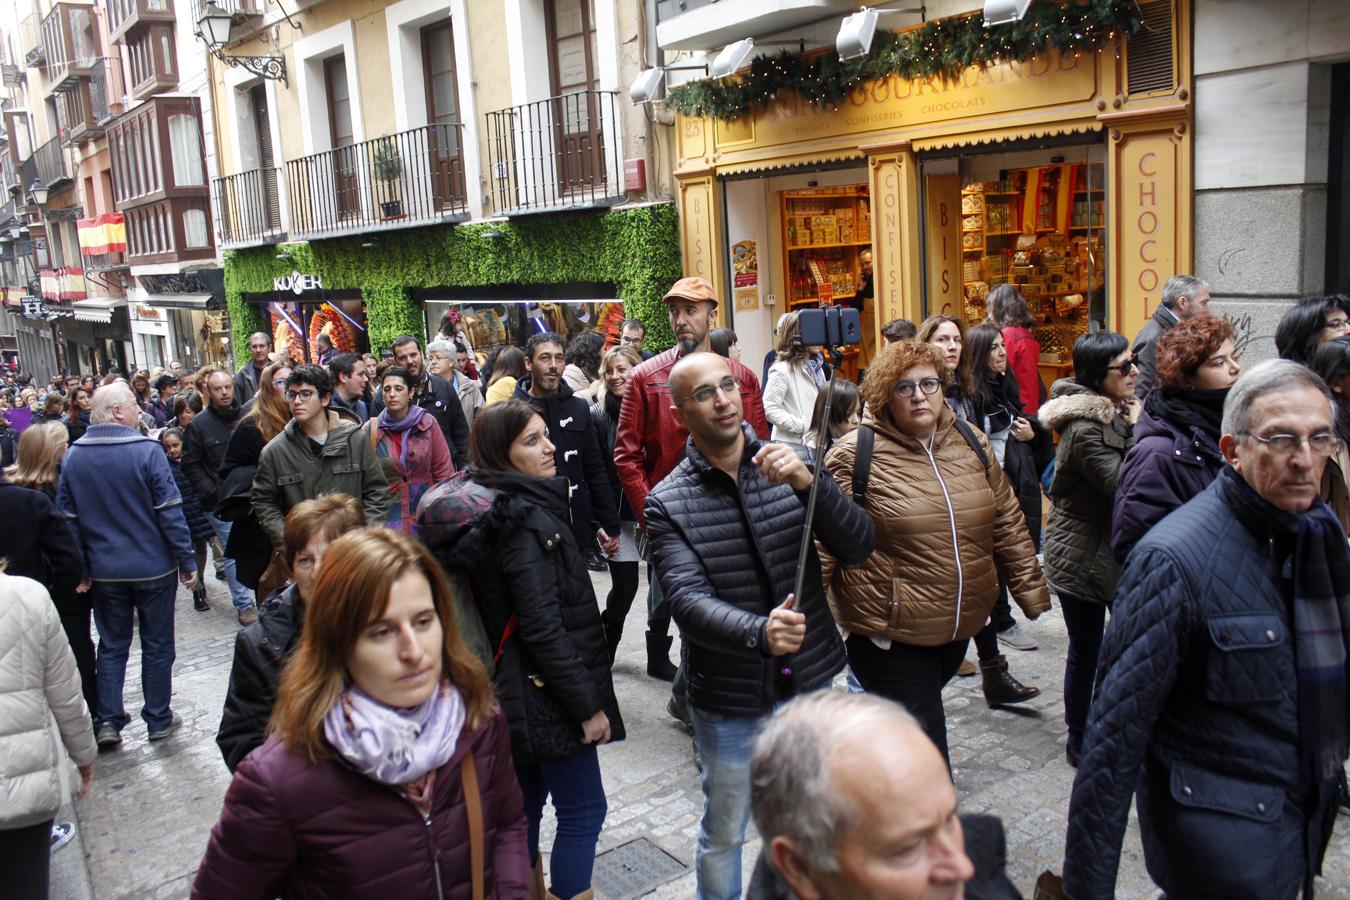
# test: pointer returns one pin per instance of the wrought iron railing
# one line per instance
(248, 208)
(402, 179)
(50, 164)
(559, 153)
(100, 94)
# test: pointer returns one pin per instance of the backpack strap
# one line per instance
(968, 432)
(862, 463)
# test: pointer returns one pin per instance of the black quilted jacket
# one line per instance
(521, 558)
(1197, 705)
(723, 578)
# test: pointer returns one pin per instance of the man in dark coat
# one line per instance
(1183, 297)
(434, 394)
(204, 442)
(595, 511)
(1222, 694)
(246, 379)
(725, 528)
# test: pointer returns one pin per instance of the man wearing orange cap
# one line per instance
(650, 443)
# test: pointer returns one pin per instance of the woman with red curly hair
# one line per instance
(1176, 451)
(948, 530)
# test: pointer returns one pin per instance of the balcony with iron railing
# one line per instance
(248, 208)
(75, 114)
(128, 16)
(49, 164)
(102, 96)
(70, 44)
(410, 178)
(556, 154)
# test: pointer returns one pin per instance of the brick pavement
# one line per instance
(146, 821)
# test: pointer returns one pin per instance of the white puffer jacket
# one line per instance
(37, 679)
(789, 400)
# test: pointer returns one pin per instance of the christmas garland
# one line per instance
(943, 48)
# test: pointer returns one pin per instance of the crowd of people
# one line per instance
(423, 663)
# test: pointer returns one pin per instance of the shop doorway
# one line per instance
(1031, 217)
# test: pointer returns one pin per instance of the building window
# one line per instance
(186, 148)
(195, 232)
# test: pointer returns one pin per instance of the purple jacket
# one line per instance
(1168, 465)
(294, 829)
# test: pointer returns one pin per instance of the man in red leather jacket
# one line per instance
(650, 443)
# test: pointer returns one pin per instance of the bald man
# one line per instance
(883, 821)
(725, 526)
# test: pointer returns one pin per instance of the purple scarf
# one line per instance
(409, 421)
(395, 746)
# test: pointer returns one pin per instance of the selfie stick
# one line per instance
(821, 431)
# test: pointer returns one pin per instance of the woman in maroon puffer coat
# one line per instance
(384, 724)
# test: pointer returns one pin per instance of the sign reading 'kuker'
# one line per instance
(297, 283)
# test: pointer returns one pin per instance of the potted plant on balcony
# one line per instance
(388, 165)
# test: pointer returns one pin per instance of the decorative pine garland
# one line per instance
(942, 48)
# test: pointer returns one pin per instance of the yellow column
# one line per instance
(1149, 239)
(943, 227)
(894, 184)
(700, 199)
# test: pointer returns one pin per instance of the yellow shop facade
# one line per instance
(1067, 175)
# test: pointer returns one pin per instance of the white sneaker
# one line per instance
(62, 832)
(1017, 639)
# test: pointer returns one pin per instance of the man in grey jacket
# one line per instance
(1183, 297)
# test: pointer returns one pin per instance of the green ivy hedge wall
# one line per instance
(638, 249)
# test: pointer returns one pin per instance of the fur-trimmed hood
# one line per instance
(1069, 400)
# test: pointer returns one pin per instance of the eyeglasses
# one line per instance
(302, 396)
(929, 386)
(727, 386)
(1338, 325)
(1124, 368)
(279, 382)
(1323, 443)
(632, 340)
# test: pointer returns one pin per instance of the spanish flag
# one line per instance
(103, 234)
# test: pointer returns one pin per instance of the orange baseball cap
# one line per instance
(692, 288)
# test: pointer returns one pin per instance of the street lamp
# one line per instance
(215, 25)
(13, 228)
(38, 191)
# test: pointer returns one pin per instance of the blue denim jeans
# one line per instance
(725, 743)
(579, 803)
(241, 595)
(116, 605)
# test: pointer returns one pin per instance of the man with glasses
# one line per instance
(650, 441)
(633, 333)
(246, 379)
(1223, 687)
(317, 453)
(1183, 297)
(204, 443)
(725, 528)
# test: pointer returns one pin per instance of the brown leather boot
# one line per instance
(1000, 688)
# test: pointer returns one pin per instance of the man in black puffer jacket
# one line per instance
(725, 527)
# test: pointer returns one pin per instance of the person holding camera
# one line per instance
(725, 527)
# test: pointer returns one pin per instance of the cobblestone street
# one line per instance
(146, 821)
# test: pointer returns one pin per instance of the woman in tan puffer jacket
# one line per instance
(948, 526)
(37, 679)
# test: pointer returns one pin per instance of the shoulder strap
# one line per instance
(473, 805)
(374, 433)
(862, 463)
(968, 433)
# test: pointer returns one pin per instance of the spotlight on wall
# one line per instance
(857, 30)
(732, 57)
(284, 256)
(647, 85)
(1001, 12)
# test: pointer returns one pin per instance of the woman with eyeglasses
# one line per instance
(1309, 324)
(1176, 440)
(1094, 413)
(948, 529)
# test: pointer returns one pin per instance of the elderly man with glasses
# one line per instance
(1223, 695)
(725, 527)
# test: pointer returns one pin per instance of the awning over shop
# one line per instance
(97, 309)
(179, 301)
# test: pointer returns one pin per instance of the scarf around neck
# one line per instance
(395, 746)
(1319, 569)
(1195, 409)
(410, 420)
